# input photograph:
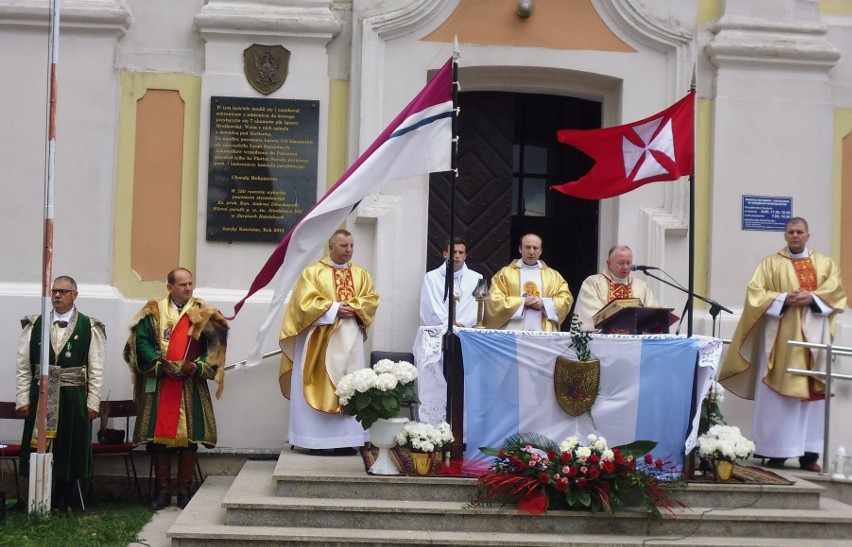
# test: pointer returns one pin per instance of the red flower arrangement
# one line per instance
(533, 471)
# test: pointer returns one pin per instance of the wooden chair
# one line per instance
(396, 356)
(10, 452)
(123, 448)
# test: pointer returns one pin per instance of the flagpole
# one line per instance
(691, 294)
(455, 402)
(41, 466)
(689, 459)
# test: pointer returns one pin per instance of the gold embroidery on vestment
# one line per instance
(619, 291)
(806, 273)
(343, 284)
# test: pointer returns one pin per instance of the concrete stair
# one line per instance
(330, 500)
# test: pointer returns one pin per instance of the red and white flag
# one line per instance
(657, 148)
(417, 142)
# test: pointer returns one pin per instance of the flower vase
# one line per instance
(422, 462)
(724, 470)
(383, 435)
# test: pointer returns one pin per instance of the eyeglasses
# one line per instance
(62, 292)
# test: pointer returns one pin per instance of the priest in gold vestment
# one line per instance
(322, 339)
(613, 283)
(793, 295)
(527, 294)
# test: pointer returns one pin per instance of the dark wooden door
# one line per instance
(483, 188)
(508, 158)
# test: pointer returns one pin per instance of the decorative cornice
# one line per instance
(401, 22)
(747, 40)
(638, 25)
(107, 15)
(302, 18)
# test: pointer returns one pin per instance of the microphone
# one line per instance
(641, 268)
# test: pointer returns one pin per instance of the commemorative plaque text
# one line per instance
(262, 173)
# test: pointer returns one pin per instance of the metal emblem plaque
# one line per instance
(266, 67)
(576, 384)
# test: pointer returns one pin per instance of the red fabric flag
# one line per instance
(660, 147)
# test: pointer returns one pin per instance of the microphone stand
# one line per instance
(715, 307)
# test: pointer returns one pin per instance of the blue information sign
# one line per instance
(766, 213)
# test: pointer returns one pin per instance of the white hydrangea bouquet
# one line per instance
(725, 443)
(425, 438)
(373, 393)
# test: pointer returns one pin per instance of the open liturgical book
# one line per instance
(613, 307)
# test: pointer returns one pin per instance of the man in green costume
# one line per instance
(176, 345)
(77, 356)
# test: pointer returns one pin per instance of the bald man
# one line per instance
(528, 294)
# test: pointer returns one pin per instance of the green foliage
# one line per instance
(580, 339)
(710, 413)
(369, 406)
(113, 524)
(637, 448)
(536, 440)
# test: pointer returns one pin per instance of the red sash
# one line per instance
(171, 389)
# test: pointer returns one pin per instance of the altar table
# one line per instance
(647, 384)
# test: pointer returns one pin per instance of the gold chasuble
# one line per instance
(329, 349)
(778, 274)
(505, 297)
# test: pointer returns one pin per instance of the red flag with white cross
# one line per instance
(658, 148)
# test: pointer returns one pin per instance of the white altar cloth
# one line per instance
(646, 388)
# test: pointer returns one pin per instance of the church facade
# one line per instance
(138, 160)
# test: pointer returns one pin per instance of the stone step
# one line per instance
(829, 522)
(304, 499)
(202, 523)
(329, 477)
(254, 500)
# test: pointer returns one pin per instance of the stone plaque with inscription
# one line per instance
(262, 175)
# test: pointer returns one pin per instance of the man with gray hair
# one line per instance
(613, 283)
(76, 372)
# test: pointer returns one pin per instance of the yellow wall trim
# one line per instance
(134, 86)
(841, 193)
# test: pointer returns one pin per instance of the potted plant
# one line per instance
(424, 441)
(373, 396)
(724, 445)
(373, 393)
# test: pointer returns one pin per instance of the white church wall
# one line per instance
(776, 77)
(770, 135)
